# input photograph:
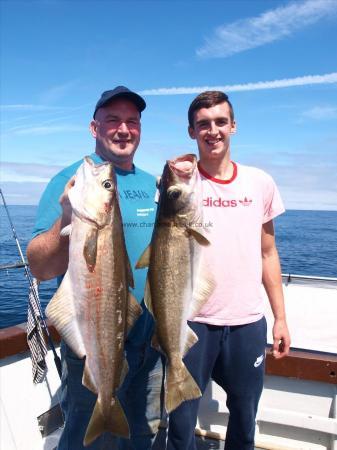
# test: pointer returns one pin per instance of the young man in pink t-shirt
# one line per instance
(240, 203)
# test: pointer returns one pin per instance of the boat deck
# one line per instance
(202, 443)
(298, 407)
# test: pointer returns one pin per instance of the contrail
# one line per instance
(307, 80)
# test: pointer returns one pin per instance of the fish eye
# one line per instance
(108, 185)
(174, 194)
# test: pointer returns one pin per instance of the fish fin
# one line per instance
(144, 260)
(148, 302)
(66, 231)
(147, 296)
(155, 343)
(114, 421)
(131, 282)
(202, 290)
(87, 380)
(125, 370)
(198, 236)
(133, 313)
(90, 249)
(61, 312)
(180, 386)
(191, 339)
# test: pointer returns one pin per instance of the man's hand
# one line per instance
(281, 338)
(48, 253)
(65, 203)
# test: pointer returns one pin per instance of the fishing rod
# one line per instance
(33, 290)
(11, 266)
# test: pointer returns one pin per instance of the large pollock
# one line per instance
(178, 283)
(93, 309)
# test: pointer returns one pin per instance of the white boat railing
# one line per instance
(291, 277)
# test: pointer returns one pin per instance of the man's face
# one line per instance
(116, 128)
(212, 129)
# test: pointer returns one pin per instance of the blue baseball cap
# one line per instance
(118, 92)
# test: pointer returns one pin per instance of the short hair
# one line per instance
(208, 99)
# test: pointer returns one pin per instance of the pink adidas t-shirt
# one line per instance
(234, 212)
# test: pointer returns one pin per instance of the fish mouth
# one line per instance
(85, 216)
(183, 166)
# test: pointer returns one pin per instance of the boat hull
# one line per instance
(298, 407)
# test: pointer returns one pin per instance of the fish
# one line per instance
(93, 309)
(178, 282)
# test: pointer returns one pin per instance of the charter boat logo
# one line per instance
(221, 202)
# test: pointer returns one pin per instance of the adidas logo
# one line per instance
(224, 203)
(245, 202)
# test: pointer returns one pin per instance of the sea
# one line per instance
(306, 241)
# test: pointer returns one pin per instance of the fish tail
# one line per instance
(180, 386)
(115, 422)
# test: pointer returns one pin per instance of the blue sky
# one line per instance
(277, 60)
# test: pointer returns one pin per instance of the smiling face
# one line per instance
(116, 128)
(212, 128)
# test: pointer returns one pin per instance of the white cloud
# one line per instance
(25, 193)
(321, 113)
(27, 172)
(28, 107)
(312, 199)
(55, 93)
(275, 84)
(15, 178)
(45, 130)
(270, 26)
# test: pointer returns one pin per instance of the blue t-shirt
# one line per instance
(136, 190)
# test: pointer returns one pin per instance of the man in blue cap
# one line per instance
(116, 129)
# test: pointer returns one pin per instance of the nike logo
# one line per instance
(258, 361)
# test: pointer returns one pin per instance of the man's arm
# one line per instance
(272, 281)
(48, 253)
